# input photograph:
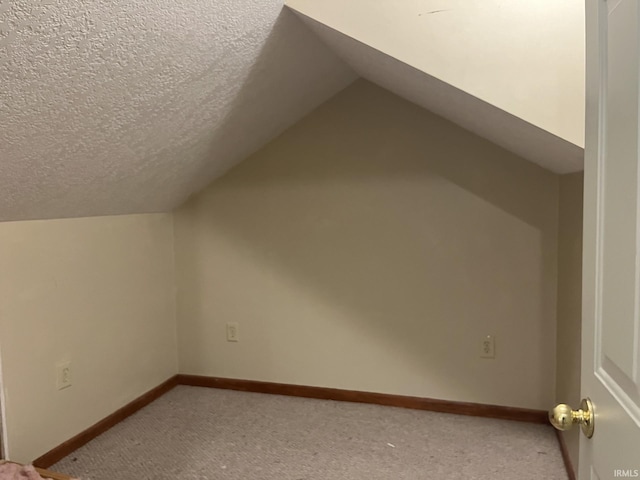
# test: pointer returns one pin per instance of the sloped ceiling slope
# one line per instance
(129, 107)
(480, 117)
(512, 72)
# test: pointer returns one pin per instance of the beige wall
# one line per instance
(371, 247)
(570, 300)
(98, 292)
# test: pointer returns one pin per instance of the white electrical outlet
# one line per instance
(63, 375)
(488, 347)
(233, 334)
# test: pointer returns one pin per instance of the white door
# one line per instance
(611, 268)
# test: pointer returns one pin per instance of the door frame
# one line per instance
(4, 454)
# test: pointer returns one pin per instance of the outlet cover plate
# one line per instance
(233, 332)
(488, 347)
(63, 375)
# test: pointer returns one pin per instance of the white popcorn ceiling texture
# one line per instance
(114, 107)
(486, 120)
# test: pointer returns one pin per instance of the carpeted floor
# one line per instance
(201, 433)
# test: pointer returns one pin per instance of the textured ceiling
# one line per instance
(471, 113)
(131, 106)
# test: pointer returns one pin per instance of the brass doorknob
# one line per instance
(563, 417)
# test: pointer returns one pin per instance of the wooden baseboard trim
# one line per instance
(84, 437)
(568, 464)
(416, 403)
(402, 401)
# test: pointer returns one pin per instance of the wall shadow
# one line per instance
(405, 221)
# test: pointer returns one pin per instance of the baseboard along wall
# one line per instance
(58, 453)
(401, 401)
(566, 458)
(416, 403)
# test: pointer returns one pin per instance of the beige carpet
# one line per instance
(200, 433)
